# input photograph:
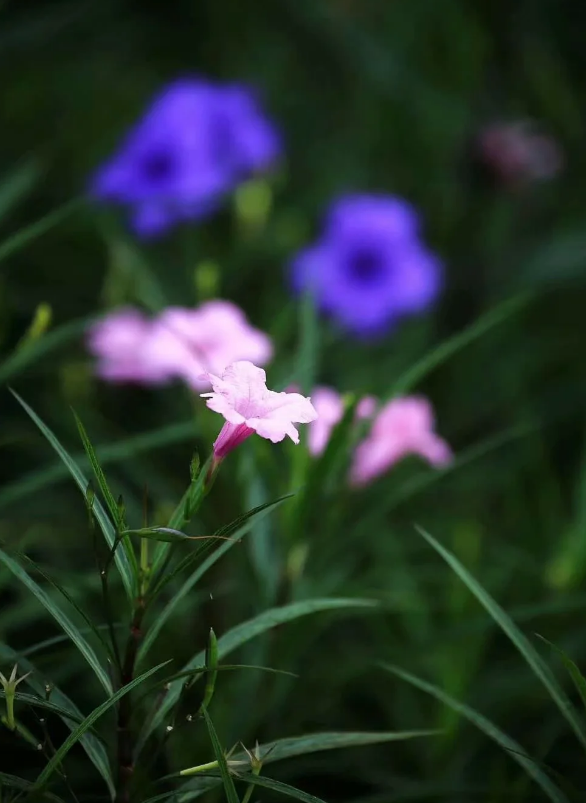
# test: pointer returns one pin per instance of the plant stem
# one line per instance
(125, 735)
(10, 721)
(144, 565)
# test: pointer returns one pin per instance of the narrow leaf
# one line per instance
(577, 677)
(121, 558)
(254, 515)
(111, 502)
(513, 748)
(61, 618)
(93, 747)
(57, 758)
(229, 788)
(504, 621)
(37, 702)
(279, 786)
(250, 629)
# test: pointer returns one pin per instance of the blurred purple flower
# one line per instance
(369, 268)
(196, 142)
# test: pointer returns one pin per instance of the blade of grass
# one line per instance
(61, 618)
(154, 630)
(248, 630)
(404, 384)
(57, 758)
(229, 788)
(108, 453)
(29, 353)
(520, 641)
(282, 788)
(17, 185)
(94, 749)
(121, 558)
(577, 677)
(510, 746)
(111, 503)
(40, 227)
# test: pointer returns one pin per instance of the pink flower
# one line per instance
(181, 343)
(242, 397)
(403, 426)
(330, 409)
(123, 343)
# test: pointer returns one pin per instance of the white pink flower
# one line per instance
(242, 397)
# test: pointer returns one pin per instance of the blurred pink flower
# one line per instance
(403, 426)
(242, 397)
(180, 343)
(123, 344)
(519, 152)
(330, 409)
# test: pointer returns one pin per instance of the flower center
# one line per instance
(366, 265)
(158, 165)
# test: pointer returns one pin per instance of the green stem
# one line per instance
(211, 765)
(10, 721)
(144, 566)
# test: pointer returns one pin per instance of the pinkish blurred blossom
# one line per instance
(519, 153)
(180, 343)
(330, 409)
(242, 397)
(403, 426)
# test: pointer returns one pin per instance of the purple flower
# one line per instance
(196, 142)
(369, 266)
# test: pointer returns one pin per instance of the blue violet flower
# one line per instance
(195, 144)
(369, 267)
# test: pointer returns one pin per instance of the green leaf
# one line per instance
(107, 453)
(165, 534)
(279, 786)
(457, 342)
(29, 353)
(504, 621)
(93, 747)
(229, 788)
(92, 627)
(513, 748)
(250, 629)
(577, 677)
(13, 782)
(111, 503)
(313, 743)
(37, 702)
(61, 618)
(18, 184)
(236, 530)
(57, 758)
(29, 233)
(183, 513)
(121, 558)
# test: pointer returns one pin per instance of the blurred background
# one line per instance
(474, 113)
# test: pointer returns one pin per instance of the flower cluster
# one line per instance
(402, 427)
(196, 143)
(369, 267)
(180, 343)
